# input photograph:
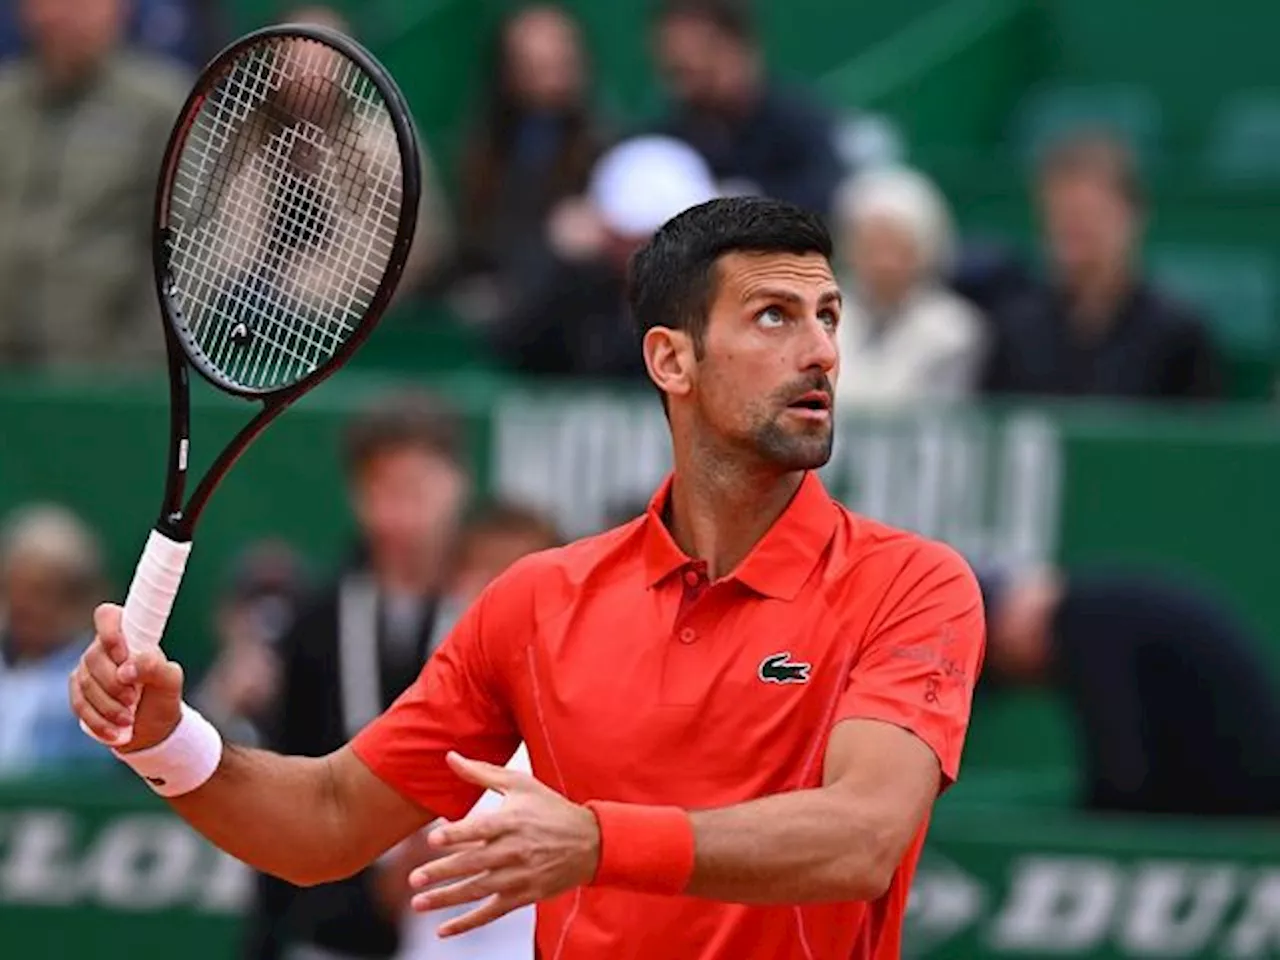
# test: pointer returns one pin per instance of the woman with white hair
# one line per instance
(904, 338)
(50, 573)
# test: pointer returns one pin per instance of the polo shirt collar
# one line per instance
(778, 565)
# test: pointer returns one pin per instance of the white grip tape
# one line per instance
(151, 594)
(149, 602)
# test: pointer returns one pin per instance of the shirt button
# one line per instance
(687, 635)
(691, 578)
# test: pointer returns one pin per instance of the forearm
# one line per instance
(807, 846)
(278, 814)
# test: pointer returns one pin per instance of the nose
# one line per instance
(819, 350)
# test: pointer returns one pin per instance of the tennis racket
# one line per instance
(284, 214)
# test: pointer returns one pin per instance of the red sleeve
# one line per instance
(458, 702)
(920, 659)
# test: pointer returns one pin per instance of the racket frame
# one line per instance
(177, 521)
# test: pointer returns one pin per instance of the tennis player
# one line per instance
(739, 707)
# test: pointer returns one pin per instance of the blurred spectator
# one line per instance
(499, 535)
(85, 124)
(49, 576)
(359, 643)
(1098, 327)
(534, 146)
(432, 235)
(188, 30)
(240, 690)
(903, 335)
(757, 136)
(1176, 710)
(575, 323)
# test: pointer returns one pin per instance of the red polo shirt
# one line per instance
(633, 678)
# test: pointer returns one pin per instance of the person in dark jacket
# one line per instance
(574, 322)
(1098, 327)
(758, 136)
(1174, 704)
(358, 644)
(535, 139)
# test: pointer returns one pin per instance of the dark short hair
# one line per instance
(497, 517)
(731, 17)
(1095, 153)
(672, 279)
(404, 420)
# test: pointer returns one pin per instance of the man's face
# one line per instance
(885, 259)
(69, 36)
(1088, 224)
(766, 379)
(544, 59)
(702, 67)
(488, 555)
(408, 501)
(36, 608)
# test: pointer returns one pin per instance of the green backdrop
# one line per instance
(1190, 492)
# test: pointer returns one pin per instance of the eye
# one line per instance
(771, 318)
(831, 318)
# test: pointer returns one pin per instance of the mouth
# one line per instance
(814, 405)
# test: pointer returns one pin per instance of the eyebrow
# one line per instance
(788, 296)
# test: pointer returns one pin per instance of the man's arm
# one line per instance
(842, 841)
(311, 820)
(306, 820)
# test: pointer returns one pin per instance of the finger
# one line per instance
(477, 828)
(499, 906)
(469, 890)
(476, 859)
(482, 774)
(98, 725)
(107, 706)
(108, 624)
(99, 666)
(424, 855)
(151, 668)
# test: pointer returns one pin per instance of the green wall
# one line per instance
(1191, 493)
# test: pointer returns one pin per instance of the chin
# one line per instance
(792, 451)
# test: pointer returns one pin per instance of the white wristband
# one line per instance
(181, 762)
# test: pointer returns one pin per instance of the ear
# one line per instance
(668, 355)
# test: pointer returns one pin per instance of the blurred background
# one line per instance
(1058, 226)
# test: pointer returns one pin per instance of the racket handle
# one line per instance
(150, 600)
(155, 585)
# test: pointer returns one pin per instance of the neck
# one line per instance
(61, 80)
(719, 511)
(1097, 291)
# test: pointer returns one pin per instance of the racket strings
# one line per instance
(286, 203)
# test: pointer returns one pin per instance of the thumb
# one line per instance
(480, 773)
(153, 670)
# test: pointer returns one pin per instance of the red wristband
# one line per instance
(644, 849)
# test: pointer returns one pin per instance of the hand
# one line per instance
(537, 845)
(112, 688)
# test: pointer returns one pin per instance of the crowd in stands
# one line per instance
(531, 251)
(553, 195)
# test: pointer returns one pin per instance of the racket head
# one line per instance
(285, 210)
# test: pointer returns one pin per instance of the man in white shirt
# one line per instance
(508, 938)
